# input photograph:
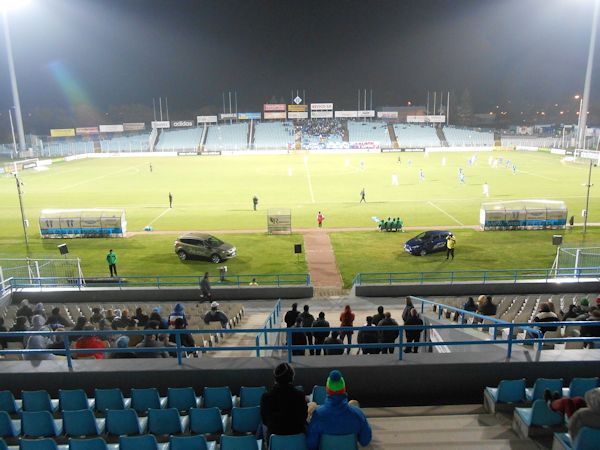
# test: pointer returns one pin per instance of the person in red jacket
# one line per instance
(320, 218)
(90, 342)
(347, 320)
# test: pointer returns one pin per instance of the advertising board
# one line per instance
(274, 115)
(161, 124)
(321, 106)
(274, 107)
(426, 119)
(209, 119)
(346, 114)
(62, 132)
(183, 123)
(228, 116)
(366, 113)
(111, 128)
(86, 130)
(134, 126)
(321, 114)
(298, 115)
(249, 116)
(387, 114)
(297, 108)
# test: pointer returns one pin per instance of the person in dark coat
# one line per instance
(407, 308)
(56, 319)
(291, 315)
(379, 316)
(487, 308)
(3, 341)
(186, 339)
(96, 316)
(369, 337)
(413, 335)
(545, 315)
(334, 339)
(283, 408)
(298, 338)
(205, 287)
(122, 343)
(25, 310)
(388, 336)
(320, 336)
(307, 322)
(592, 330)
(140, 317)
(470, 305)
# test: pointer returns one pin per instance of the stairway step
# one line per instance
(435, 422)
(469, 434)
(501, 444)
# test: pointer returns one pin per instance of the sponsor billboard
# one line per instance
(183, 123)
(249, 116)
(228, 116)
(274, 115)
(321, 106)
(62, 132)
(366, 113)
(161, 124)
(387, 114)
(298, 115)
(111, 128)
(426, 119)
(297, 108)
(209, 119)
(274, 107)
(321, 114)
(86, 130)
(346, 114)
(134, 126)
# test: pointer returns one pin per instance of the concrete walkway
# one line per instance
(320, 260)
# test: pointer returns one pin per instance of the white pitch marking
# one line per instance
(449, 215)
(310, 188)
(100, 177)
(537, 175)
(159, 216)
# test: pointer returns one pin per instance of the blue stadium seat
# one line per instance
(190, 443)
(290, 442)
(3, 445)
(82, 423)
(240, 443)
(110, 399)
(73, 399)
(37, 444)
(182, 398)
(8, 403)
(587, 439)
(340, 442)
(540, 385)
(121, 422)
(218, 396)
(250, 396)
(166, 421)
(90, 444)
(319, 394)
(40, 424)
(9, 428)
(145, 442)
(144, 399)
(579, 386)
(508, 392)
(538, 420)
(207, 421)
(245, 420)
(38, 401)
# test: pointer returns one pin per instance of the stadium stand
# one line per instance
(321, 133)
(529, 141)
(463, 137)
(130, 143)
(410, 135)
(227, 137)
(67, 147)
(362, 131)
(273, 135)
(179, 139)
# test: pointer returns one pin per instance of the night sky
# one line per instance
(113, 52)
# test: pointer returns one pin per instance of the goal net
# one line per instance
(577, 262)
(42, 271)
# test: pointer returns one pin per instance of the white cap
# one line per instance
(214, 305)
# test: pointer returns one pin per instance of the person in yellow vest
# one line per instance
(450, 244)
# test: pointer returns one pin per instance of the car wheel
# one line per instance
(215, 258)
(182, 255)
(423, 252)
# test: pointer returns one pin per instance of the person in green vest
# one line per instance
(111, 259)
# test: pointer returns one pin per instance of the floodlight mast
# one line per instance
(23, 218)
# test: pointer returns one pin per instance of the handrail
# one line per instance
(270, 322)
(481, 276)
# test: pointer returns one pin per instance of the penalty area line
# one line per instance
(159, 216)
(448, 214)
(310, 188)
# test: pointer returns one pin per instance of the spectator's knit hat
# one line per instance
(214, 305)
(156, 310)
(178, 308)
(335, 383)
(123, 342)
(584, 302)
(598, 301)
(283, 373)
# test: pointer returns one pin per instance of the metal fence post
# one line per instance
(178, 346)
(257, 346)
(400, 344)
(68, 351)
(289, 344)
(510, 338)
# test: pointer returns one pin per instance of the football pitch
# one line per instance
(215, 193)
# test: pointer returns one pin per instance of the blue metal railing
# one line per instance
(280, 279)
(271, 322)
(479, 276)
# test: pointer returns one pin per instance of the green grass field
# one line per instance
(214, 193)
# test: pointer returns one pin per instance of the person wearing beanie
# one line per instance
(320, 336)
(122, 343)
(178, 313)
(216, 315)
(283, 408)
(336, 416)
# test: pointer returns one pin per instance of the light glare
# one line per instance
(7, 5)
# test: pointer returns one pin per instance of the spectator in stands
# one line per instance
(90, 342)
(21, 324)
(320, 336)
(140, 317)
(151, 341)
(582, 412)
(56, 320)
(298, 338)
(334, 339)
(487, 308)
(97, 315)
(283, 408)
(545, 315)
(470, 305)
(37, 342)
(178, 313)
(186, 339)
(216, 315)
(38, 323)
(109, 315)
(368, 337)
(58, 341)
(39, 310)
(388, 336)
(592, 330)
(122, 343)
(337, 416)
(205, 287)
(307, 322)
(3, 340)
(552, 307)
(571, 313)
(291, 315)
(79, 324)
(379, 316)
(347, 320)
(155, 316)
(25, 309)
(413, 335)
(407, 308)
(583, 309)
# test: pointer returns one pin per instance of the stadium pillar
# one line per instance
(13, 83)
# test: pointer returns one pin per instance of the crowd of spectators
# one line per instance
(321, 132)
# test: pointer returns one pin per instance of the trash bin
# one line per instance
(222, 272)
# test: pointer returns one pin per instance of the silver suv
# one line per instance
(204, 246)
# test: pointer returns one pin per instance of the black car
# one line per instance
(427, 242)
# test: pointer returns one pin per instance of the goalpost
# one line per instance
(576, 262)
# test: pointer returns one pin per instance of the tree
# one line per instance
(464, 109)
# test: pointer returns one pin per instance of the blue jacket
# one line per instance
(337, 417)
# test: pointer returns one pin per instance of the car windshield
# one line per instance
(421, 236)
(214, 242)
